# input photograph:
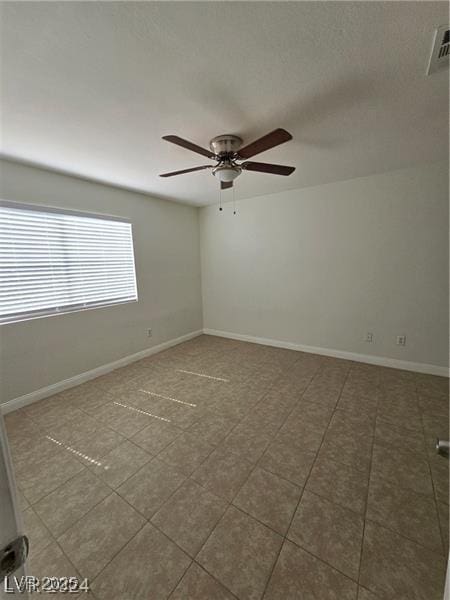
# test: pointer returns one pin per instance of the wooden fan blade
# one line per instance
(188, 145)
(224, 185)
(267, 168)
(186, 171)
(272, 139)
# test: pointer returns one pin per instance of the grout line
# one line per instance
(317, 373)
(368, 486)
(118, 551)
(52, 490)
(114, 491)
(430, 470)
(215, 579)
(331, 566)
(167, 499)
(54, 541)
(270, 386)
(306, 480)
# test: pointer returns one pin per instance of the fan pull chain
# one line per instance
(234, 202)
(220, 198)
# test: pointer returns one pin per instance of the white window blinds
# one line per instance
(53, 261)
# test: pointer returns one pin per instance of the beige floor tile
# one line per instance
(246, 441)
(89, 448)
(38, 535)
(213, 428)
(443, 512)
(312, 414)
(186, 453)
(120, 464)
(279, 399)
(440, 475)
(89, 399)
(298, 575)
(354, 451)
(125, 419)
(399, 439)
(360, 403)
(393, 567)
(265, 419)
(361, 388)
(277, 411)
(269, 499)
(148, 568)
(189, 516)
(147, 400)
(288, 461)
(71, 501)
(51, 414)
(402, 412)
(330, 532)
(401, 469)
(360, 425)
(15, 419)
(43, 474)
(287, 391)
(67, 433)
(156, 436)
(240, 553)
(223, 473)
(322, 393)
(150, 487)
(51, 562)
(21, 429)
(23, 502)
(296, 432)
(197, 584)
(92, 542)
(435, 426)
(30, 452)
(232, 409)
(364, 594)
(339, 483)
(430, 406)
(185, 416)
(433, 389)
(404, 511)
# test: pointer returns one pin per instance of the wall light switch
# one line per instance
(401, 340)
(369, 337)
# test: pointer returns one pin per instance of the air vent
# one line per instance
(441, 50)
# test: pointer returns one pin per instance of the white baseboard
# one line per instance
(60, 386)
(381, 361)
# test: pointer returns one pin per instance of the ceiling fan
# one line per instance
(226, 151)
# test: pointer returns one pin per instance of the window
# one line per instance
(54, 261)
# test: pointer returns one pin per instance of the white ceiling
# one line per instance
(90, 88)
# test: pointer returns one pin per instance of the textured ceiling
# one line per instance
(89, 88)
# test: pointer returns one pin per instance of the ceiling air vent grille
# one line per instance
(440, 53)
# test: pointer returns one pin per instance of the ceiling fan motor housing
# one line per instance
(227, 150)
(225, 144)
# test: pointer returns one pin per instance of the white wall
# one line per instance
(317, 267)
(324, 265)
(44, 351)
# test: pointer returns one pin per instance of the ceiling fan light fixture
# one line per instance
(227, 172)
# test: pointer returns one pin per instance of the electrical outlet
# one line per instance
(149, 332)
(401, 340)
(369, 337)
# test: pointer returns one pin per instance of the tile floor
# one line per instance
(221, 469)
